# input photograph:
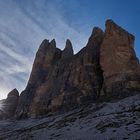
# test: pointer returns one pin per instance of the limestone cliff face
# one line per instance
(121, 68)
(61, 81)
(9, 105)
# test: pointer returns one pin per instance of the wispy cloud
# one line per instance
(23, 25)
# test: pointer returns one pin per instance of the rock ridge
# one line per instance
(60, 81)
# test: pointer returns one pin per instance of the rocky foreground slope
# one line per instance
(118, 120)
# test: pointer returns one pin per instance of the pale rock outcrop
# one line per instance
(121, 68)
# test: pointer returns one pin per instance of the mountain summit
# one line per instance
(106, 68)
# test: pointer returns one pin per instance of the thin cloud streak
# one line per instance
(23, 27)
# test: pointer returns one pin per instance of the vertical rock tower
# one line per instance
(61, 81)
(121, 68)
(9, 105)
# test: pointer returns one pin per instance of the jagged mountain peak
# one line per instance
(68, 44)
(53, 43)
(96, 37)
(107, 68)
(13, 93)
(44, 45)
(68, 50)
(112, 27)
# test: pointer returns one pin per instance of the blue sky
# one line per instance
(25, 23)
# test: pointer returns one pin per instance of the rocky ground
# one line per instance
(116, 120)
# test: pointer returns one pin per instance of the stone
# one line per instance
(46, 56)
(61, 81)
(118, 61)
(106, 68)
(9, 105)
(68, 51)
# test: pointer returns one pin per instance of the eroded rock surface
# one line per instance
(121, 68)
(9, 105)
(61, 81)
(118, 120)
(68, 51)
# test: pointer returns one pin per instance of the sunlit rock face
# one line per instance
(61, 81)
(121, 68)
(9, 105)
